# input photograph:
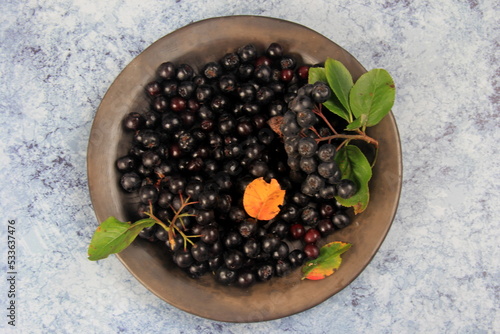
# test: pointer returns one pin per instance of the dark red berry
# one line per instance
(303, 72)
(177, 104)
(286, 75)
(311, 236)
(153, 88)
(311, 251)
(297, 231)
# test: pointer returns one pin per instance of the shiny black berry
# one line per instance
(321, 92)
(346, 188)
(225, 276)
(133, 121)
(341, 220)
(274, 51)
(183, 258)
(247, 53)
(265, 272)
(130, 181)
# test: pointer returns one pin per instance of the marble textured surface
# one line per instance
(438, 269)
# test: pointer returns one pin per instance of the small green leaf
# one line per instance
(372, 96)
(316, 74)
(113, 236)
(333, 104)
(356, 124)
(355, 167)
(340, 81)
(327, 262)
(336, 108)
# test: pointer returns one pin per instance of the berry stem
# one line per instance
(362, 136)
(319, 112)
(172, 227)
(313, 129)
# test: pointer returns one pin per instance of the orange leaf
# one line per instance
(261, 200)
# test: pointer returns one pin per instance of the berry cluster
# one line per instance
(312, 162)
(206, 136)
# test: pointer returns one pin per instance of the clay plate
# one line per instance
(197, 44)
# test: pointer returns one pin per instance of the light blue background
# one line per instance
(438, 269)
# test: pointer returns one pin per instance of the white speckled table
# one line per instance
(438, 269)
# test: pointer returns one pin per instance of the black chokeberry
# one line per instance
(265, 272)
(309, 216)
(210, 234)
(296, 258)
(307, 147)
(233, 259)
(170, 88)
(326, 152)
(308, 164)
(251, 248)
(325, 227)
(341, 220)
(230, 61)
(225, 276)
(283, 267)
(148, 194)
(126, 164)
(212, 70)
(200, 251)
(247, 53)
(346, 188)
(166, 70)
(133, 121)
(274, 51)
(184, 72)
(130, 181)
(321, 92)
(245, 279)
(183, 258)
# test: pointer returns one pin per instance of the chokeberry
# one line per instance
(274, 50)
(296, 257)
(346, 188)
(247, 53)
(311, 251)
(133, 121)
(341, 220)
(307, 147)
(130, 181)
(199, 251)
(321, 92)
(166, 70)
(265, 272)
(225, 276)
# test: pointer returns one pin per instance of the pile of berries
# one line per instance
(206, 136)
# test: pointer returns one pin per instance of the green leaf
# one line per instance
(355, 167)
(333, 104)
(113, 236)
(336, 108)
(340, 81)
(372, 96)
(327, 262)
(356, 124)
(316, 74)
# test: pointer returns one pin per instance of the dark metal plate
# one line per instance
(197, 44)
